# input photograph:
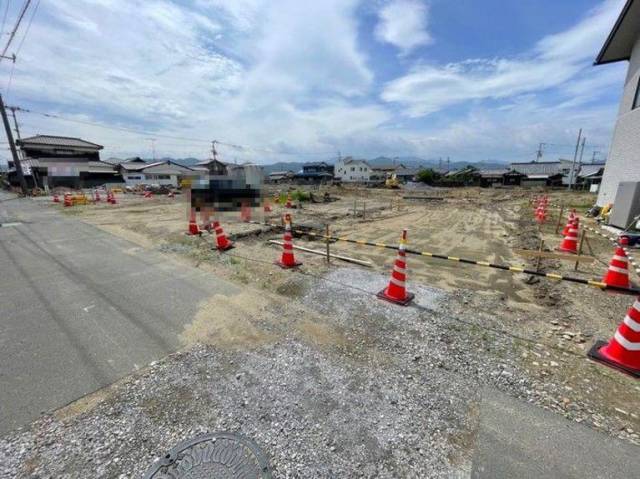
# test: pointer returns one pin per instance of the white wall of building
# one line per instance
(162, 174)
(623, 163)
(353, 171)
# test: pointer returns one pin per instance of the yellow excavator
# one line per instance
(392, 182)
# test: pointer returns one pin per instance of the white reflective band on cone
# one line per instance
(634, 325)
(397, 282)
(625, 343)
(397, 269)
(620, 258)
(618, 270)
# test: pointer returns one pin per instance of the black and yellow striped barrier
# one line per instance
(487, 264)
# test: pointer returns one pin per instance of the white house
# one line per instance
(348, 170)
(623, 44)
(168, 173)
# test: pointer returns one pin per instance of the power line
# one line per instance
(15, 29)
(146, 133)
(26, 32)
(4, 17)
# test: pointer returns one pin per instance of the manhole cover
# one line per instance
(213, 456)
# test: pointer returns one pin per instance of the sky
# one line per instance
(290, 80)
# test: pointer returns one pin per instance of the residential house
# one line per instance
(165, 173)
(50, 161)
(623, 44)
(130, 170)
(590, 176)
(316, 173)
(388, 169)
(500, 177)
(280, 176)
(349, 170)
(542, 173)
(463, 177)
(404, 175)
(212, 166)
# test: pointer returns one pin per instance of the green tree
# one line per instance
(428, 176)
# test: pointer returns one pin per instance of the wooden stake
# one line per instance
(559, 217)
(540, 248)
(328, 243)
(582, 235)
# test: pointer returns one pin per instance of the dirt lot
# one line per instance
(481, 224)
(525, 336)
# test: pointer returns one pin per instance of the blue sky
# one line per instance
(291, 80)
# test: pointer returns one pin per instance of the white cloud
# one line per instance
(246, 71)
(403, 23)
(553, 61)
(290, 77)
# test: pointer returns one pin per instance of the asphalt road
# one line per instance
(80, 308)
(519, 440)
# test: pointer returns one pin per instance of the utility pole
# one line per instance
(12, 147)
(575, 157)
(15, 121)
(153, 148)
(540, 151)
(584, 140)
(214, 153)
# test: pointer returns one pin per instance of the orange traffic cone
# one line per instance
(396, 292)
(193, 224)
(287, 260)
(618, 272)
(222, 243)
(67, 200)
(113, 198)
(288, 204)
(623, 351)
(97, 196)
(570, 242)
(148, 194)
(267, 206)
(56, 199)
(541, 214)
(570, 222)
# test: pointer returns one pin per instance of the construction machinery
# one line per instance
(392, 182)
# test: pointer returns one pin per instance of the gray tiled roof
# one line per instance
(590, 169)
(537, 168)
(62, 141)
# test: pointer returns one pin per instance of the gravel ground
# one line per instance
(347, 386)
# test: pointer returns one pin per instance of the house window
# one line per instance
(353, 168)
(636, 99)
